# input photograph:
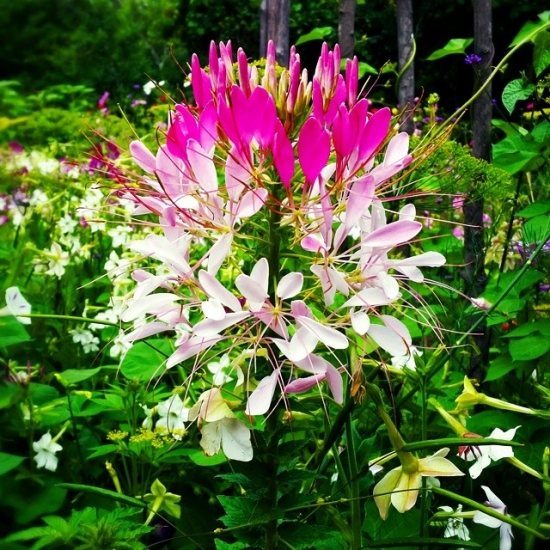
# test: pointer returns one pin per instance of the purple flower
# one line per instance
(102, 102)
(472, 59)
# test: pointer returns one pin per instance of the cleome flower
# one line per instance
(272, 243)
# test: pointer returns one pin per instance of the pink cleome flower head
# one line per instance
(272, 231)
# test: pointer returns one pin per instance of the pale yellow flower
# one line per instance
(401, 485)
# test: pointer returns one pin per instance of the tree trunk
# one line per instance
(274, 25)
(346, 27)
(474, 246)
(405, 88)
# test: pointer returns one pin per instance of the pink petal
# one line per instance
(313, 148)
(392, 234)
(374, 134)
(211, 327)
(335, 383)
(264, 125)
(143, 157)
(301, 385)
(283, 155)
(251, 203)
(398, 148)
(387, 340)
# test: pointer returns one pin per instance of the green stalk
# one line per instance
(355, 503)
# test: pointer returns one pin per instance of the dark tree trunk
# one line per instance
(474, 246)
(274, 25)
(405, 89)
(346, 27)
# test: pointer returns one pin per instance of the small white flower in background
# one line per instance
(116, 266)
(505, 529)
(45, 449)
(58, 260)
(16, 305)
(149, 412)
(401, 361)
(173, 415)
(38, 198)
(67, 224)
(120, 235)
(455, 526)
(89, 342)
(485, 454)
(148, 87)
(222, 371)
(120, 346)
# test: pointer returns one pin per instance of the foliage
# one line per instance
(104, 446)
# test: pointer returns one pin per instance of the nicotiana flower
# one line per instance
(485, 454)
(401, 485)
(16, 305)
(173, 416)
(58, 259)
(505, 529)
(455, 525)
(45, 449)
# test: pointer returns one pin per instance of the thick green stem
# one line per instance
(355, 503)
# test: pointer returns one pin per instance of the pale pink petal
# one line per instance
(397, 150)
(213, 309)
(392, 234)
(408, 212)
(301, 385)
(251, 203)
(143, 157)
(216, 290)
(399, 328)
(146, 330)
(259, 400)
(149, 304)
(190, 348)
(203, 167)
(388, 340)
(260, 273)
(360, 322)
(219, 252)
(329, 336)
(290, 285)
(211, 327)
(335, 383)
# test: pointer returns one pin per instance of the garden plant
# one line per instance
(231, 331)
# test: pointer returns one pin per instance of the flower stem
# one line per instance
(355, 503)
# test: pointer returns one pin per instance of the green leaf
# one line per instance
(528, 328)
(531, 27)
(541, 133)
(11, 331)
(500, 367)
(536, 208)
(530, 347)
(145, 360)
(515, 91)
(9, 462)
(221, 545)
(303, 536)
(541, 54)
(71, 377)
(454, 46)
(102, 450)
(319, 33)
(536, 229)
(365, 68)
(515, 153)
(508, 128)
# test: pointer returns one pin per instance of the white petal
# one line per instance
(236, 443)
(213, 310)
(360, 322)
